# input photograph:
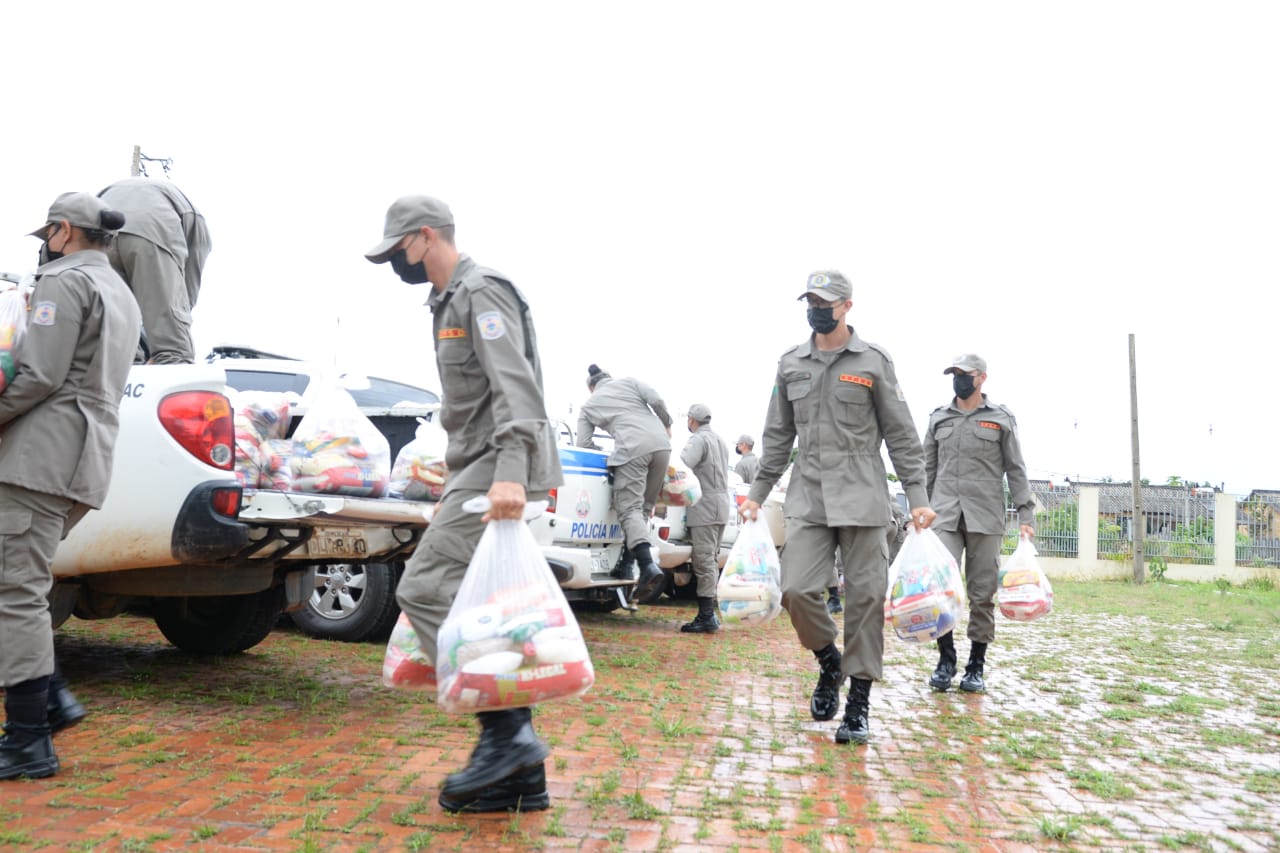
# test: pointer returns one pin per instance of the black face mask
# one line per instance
(963, 385)
(821, 320)
(47, 253)
(409, 273)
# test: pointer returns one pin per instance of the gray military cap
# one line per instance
(406, 215)
(83, 210)
(700, 413)
(966, 363)
(829, 286)
(747, 440)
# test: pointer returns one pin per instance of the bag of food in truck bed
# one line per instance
(680, 487)
(337, 450)
(259, 416)
(419, 472)
(510, 639)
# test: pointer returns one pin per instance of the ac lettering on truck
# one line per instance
(134, 391)
(583, 530)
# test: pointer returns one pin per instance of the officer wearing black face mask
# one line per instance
(839, 397)
(970, 446)
(501, 444)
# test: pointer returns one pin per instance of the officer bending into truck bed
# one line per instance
(500, 444)
(60, 417)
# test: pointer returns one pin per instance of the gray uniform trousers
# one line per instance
(981, 576)
(433, 574)
(156, 279)
(705, 539)
(806, 570)
(31, 526)
(636, 484)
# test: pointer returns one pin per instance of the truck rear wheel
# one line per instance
(351, 603)
(218, 625)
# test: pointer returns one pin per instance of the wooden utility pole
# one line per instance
(1139, 523)
(136, 169)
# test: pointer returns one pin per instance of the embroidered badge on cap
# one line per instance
(44, 314)
(452, 334)
(819, 280)
(857, 380)
(491, 325)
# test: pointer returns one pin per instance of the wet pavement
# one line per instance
(1097, 732)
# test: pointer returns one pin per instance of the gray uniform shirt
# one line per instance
(491, 384)
(747, 466)
(707, 456)
(159, 212)
(61, 414)
(967, 456)
(841, 408)
(631, 412)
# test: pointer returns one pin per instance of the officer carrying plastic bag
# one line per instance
(750, 587)
(1023, 592)
(926, 593)
(510, 639)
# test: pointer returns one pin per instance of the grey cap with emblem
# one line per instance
(829, 286)
(406, 215)
(966, 363)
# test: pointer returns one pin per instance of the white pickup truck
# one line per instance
(216, 563)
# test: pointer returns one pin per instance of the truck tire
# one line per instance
(351, 603)
(218, 625)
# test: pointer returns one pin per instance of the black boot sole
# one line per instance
(41, 769)
(528, 756)
(940, 686)
(499, 803)
(649, 590)
(843, 735)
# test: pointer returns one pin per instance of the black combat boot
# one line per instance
(833, 600)
(972, 681)
(64, 709)
(946, 670)
(826, 696)
(625, 570)
(652, 581)
(856, 726)
(507, 745)
(705, 622)
(26, 749)
(522, 791)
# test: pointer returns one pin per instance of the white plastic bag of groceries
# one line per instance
(510, 639)
(405, 665)
(680, 487)
(926, 593)
(1023, 591)
(337, 449)
(13, 325)
(419, 472)
(750, 588)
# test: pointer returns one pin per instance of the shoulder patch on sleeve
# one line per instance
(44, 313)
(491, 325)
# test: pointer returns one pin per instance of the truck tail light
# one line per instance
(226, 501)
(551, 502)
(200, 421)
(664, 532)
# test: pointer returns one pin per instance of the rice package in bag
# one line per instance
(337, 450)
(277, 472)
(405, 665)
(750, 587)
(1023, 592)
(13, 324)
(419, 472)
(680, 487)
(926, 593)
(510, 639)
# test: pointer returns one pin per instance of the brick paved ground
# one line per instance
(1100, 731)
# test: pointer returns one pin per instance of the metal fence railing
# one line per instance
(1258, 533)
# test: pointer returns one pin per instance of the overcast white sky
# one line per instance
(1029, 181)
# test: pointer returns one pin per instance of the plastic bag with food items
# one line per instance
(510, 639)
(926, 593)
(405, 665)
(337, 450)
(419, 472)
(13, 325)
(750, 587)
(1023, 592)
(680, 487)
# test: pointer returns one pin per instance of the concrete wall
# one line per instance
(1088, 567)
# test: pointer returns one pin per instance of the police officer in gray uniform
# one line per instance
(971, 445)
(749, 464)
(839, 396)
(634, 414)
(708, 458)
(59, 418)
(160, 252)
(501, 444)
